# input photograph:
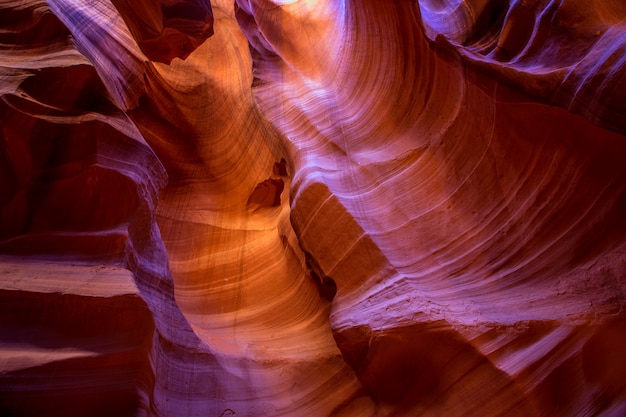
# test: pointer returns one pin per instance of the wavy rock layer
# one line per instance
(481, 230)
(312, 208)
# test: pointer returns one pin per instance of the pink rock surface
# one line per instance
(312, 208)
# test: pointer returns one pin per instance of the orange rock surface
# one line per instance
(312, 208)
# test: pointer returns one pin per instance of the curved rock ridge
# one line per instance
(565, 53)
(81, 335)
(474, 233)
(312, 208)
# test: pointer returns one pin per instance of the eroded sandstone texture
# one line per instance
(312, 208)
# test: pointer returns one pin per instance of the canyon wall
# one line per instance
(312, 208)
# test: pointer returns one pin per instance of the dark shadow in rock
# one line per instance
(266, 194)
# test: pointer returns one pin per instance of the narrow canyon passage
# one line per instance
(312, 208)
(239, 273)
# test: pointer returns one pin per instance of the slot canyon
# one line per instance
(312, 208)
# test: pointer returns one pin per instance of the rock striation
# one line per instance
(312, 208)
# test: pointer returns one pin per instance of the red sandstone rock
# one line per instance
(326, 208)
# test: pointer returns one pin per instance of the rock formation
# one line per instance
(312, 208)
